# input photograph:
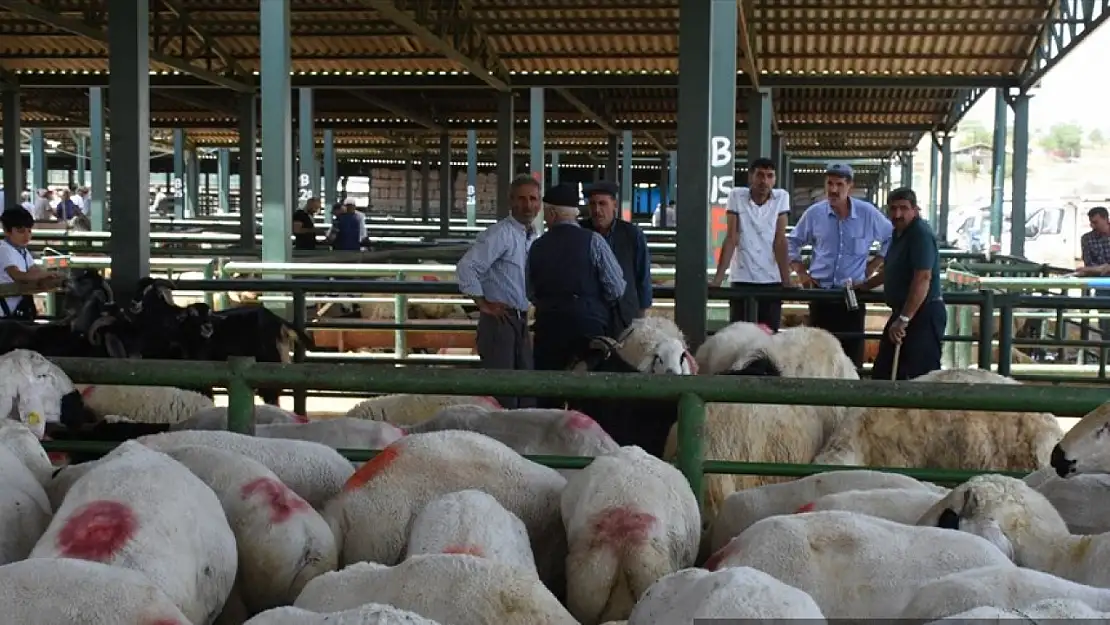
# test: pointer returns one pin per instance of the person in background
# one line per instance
(82, 199)
(659, 214)
(492, 274)
(629, 246)
(43, 211)
(841, 230)
(1095, 248)
(348, 228)
(910, 276)
(19, 266)
(304, 228)
(755, 250)
(67, 209)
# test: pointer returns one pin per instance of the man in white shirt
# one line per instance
(755, 250)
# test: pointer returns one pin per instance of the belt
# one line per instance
(518, 314)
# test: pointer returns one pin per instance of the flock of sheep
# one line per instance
(450, 524)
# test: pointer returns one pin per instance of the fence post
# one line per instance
(986, 330)
(300, 313)
(240, 396)
(691, 437)
(1005, 334)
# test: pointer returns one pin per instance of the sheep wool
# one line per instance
(1049, 609)
(406, 410)
(25, 510)
(729, 344)
(145, 404)
(77, 592)
(369, 614)
(338, 433)
(22, 441)
(1083, 449)
(482, 591)
(144, 511)
(740, 593)
(1079, 500)
(372, 515)
(31, 389)
(630, 520)
(853, 565)
(315, 472)
(656, 345)
(472, 522)
(215, 418)
(528, 431)
(902, 505)
(283, 542)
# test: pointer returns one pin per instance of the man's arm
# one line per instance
(13, 263)
(923, 257)
(476, 262)
(782, 250)
(642, 268)
(801, 235)
(882, 232)
(612, 278)
(298, 226)
(728, 248)
(529, 290)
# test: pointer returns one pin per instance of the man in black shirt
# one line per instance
(304, 229)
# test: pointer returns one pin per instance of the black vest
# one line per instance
(622, 240)
(566, 283)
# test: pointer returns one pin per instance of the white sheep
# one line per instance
(1083, 449)
(283, 543)
(33, 390)
(215, 418)
(368, 614)
(656, 345)
(903, 505)
(745, 507)
(145, 404)
(1080, 500)
(22, 441)
(144, 511)
(315, 472)
(471, 591)
(338, 433)
(854, 565)
(529, 431)
(371, 516)
(630, 519)
(945, 439)
(740, 593)
(470, 521)
(730, 343)
(406, 410)
(25, 510)
(801, 352)
(1023, 524)
(1049, 609)
(78, 592)
(1004, 586)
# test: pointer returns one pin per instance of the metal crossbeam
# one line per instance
(655, 141)
(586, 110)
(460, 39)
(960, 107)
(1068, 25)
(209, 42)
(398, 110)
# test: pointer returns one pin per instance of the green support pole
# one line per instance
(13, 136)
(82, 159)
(945, 187)
(505, 152)
(240, 397)
(223, 180)
(1020, 179)
(536, 153)
(425, 186)
(98, 162)
(471, 178)
(248, 171)
(934, 170)
(277, 133)
(192, 183)
(627, 190)
(38, 160)
(177, 185)
(445, 184)
(331, 178)
(555, 154)
(308, 182)
(691, 441)
(998, 162)
(410, 185)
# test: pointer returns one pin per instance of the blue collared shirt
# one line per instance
(840, 246)
(641, 266)
(493, 267)
(608, 269)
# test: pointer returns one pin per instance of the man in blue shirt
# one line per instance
(841, 230)
(911, 287)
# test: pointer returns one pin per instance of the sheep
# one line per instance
(79, 592)
(144, 404)
(405, 410)
(37, 392)
(656, 345)
(800, 352)
(740, 593)
(339, 433)
(718, 352)
(630, 520)
(476, 591)
(903, 505)
(470, 521)
(1004, 586)
(144, 511)
(22, 442)
(25, 510)
(282, 542)
(315, 472)
(745, 507)
(1079, 500)
(1021, 523)
(215, 418)
(371, 517)
(1082, 450)
(367, 614)
(854, 565)
(1047, 609)
(945, 439)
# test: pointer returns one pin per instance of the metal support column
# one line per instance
(82, 160)
(776, 156)
(759, 123)
(696, 138)
(425, 186)
(664, 189)
(13, 144)
(627, 191)
(505, 136)
(672, 177)
(98, 162)
(248, 170)
(945, 187)
(331, 182)
(177, 183)
(555, 154)
(277, 133)
(998, 165)
(934, 170)
(788, 178)
(192, 183)
(612, 156)
(1020, 178)
(38, 159)
(129, 122)
(309, 179)
(536, 153)
(907, 170)
(223, 180)
(471, 178)
(410, 186)
(445, 186)
(722, 120)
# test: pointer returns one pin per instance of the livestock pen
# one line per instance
(242, 375)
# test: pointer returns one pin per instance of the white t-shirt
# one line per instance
(13, 256)
(755, 260)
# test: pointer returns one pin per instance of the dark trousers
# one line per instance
(768, 311)
(506, 344)
(835, 317)
(921, 347)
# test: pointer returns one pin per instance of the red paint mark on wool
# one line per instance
(580, 421)
(58, 458)
(806, 508)
(372, 468)
(693, 364)
(621, 525)
(492, 402)
(765, 328)
(719, 556)
(165, 621)
(430, 278)
(300, 418)
(97, 531)
(469, 550)
(88, 391)
(283, 502)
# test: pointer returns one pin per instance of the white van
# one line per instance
(1052, 231)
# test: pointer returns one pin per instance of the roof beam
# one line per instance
(960, 107)
(209, 42)
(655, 141)
(586, 110)
(469, 47)
(400, 111)
(81, 29)
(1068, 24)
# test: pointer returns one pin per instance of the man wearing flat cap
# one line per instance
(629, 245)
(573, 280)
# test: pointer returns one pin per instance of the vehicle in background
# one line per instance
(1052, 231)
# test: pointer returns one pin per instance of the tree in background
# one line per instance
(1064, 140)
(1096, 139)
(973, 132)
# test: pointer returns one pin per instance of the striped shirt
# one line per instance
(1095, 248)
(493, 268)
(608, 269)
(840, 246)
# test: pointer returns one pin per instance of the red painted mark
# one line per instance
(97, 531)
(57, 458)
(693, 364)
(403, 431)
(430, 278)
(165, 621)
(87, 392)
(806, 508)
(283, 502)
(579, 421)
(715, 560)
(470, 550)
(765, 328)
(300, 418)
(621, 525)
(370, 470)
(492, 402)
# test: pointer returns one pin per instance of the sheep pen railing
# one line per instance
(241, 376)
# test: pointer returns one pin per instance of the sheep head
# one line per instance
(1086, 447)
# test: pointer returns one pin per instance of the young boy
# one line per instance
(19, 267)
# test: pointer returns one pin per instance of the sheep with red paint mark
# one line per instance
(372, 516)
(315, 472)
(733, 593)
(79, 592)
(902, 505)
(339, 433)
(283, 542)
(472, 522)
(25, 510)
(406, 410)
(144, 404)
(630, 520)
(451, 589)
(142, 510)
(369, 614)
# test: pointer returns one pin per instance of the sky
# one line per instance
(1072, 91)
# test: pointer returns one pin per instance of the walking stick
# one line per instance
(897, 356)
